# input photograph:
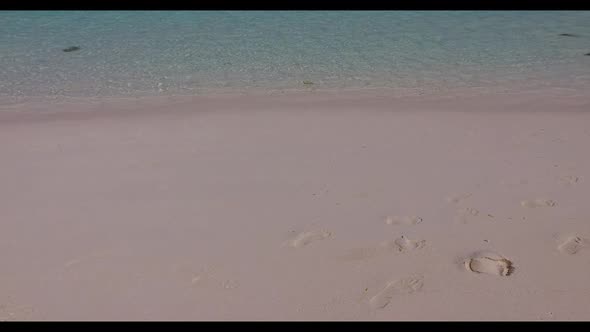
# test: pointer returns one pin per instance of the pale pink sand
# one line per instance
(277, 207)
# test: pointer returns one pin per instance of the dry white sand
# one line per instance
(300, 207)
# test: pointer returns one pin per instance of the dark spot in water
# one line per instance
(308, 82)
(71, 49)
(587, 54)
(568, 35)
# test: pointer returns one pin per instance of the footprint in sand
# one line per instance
(305, 238)
(195, 277)
(403, 244)
(394, 288)
(569, 180)
(400, 245)
(536, 203)
(9, 311)
(471, 211)
(573, 245)
(403, 220)
(489, 263)
(464, 213)
(230, 284)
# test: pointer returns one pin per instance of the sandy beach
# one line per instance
(310, 206)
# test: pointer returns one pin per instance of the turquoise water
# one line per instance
(130, 53)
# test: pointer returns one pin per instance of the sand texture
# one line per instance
(299, 207)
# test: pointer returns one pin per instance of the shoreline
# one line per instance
(552, 99)
(312, 94)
